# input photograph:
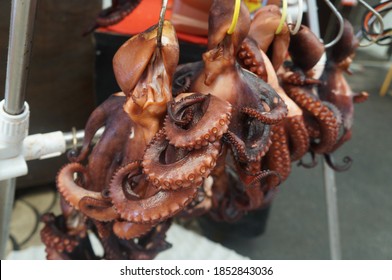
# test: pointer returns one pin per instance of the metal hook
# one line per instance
(379, 19)
(341, 24)
(160, 23)
(299, 18)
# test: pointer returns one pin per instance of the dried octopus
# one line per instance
(290, 139)
(205, 137)
(255, 107)
(336, 90)
(111, 192)
(322, 118)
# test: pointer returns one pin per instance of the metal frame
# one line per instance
(19, 49)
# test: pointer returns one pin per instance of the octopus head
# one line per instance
(144, 69)
(223, 47)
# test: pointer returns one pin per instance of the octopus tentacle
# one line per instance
(178, 109)
(251, 59)
(347, 162)
(278, 156)
(202, 130)
(70, 191)
(346, 136)
(184, 76)
(98, 209)
(298, 137)
(127, 230)
(360, 97)
(53, 237)
(243, 152)
(275, 110)
(335, 111)
(263, 174)
(185, 171)
(328, 123)
(155, 208)
(272, 117)
(96, 120)
(312, 164)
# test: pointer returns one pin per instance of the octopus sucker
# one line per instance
(298, 137)
(267, 117)
(53, 236)
(247, 151)
(251, 59)
(327, 121)
(264, 174)
(278, 157)
(210, 120)
(182, 171)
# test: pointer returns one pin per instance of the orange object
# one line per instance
(145, 16)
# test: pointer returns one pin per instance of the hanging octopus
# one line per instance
(113, 174)
(202, 138)
(290, 139)
(264, 29)
(322, 118)
(255, 107)
(336, 90)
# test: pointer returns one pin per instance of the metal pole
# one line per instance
(313, 17)
(329, 175)
(7, 193)
(19, 49)
(332, 212)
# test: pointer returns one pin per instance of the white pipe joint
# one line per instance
(13, 130)
(42, 146)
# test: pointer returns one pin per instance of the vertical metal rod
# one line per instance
(329, 175)
(7, 193)
(332, 212)
(313, 17)
(19, 49)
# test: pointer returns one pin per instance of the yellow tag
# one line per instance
(253, 5)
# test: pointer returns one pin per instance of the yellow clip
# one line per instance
(283, 18)
(235, 17)
(253, 5)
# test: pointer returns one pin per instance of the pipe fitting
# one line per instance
(13, 130)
